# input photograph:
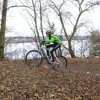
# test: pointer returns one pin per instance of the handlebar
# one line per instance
(41, 44)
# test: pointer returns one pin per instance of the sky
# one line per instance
(95, 17)
(17, 26)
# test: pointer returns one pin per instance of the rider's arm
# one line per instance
(49, 41)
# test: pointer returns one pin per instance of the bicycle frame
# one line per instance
(42, 50)
(31, 60)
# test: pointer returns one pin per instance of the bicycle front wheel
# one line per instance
(33, 58)
(62, 63)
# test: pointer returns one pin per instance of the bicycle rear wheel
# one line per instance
(62, 63)
(33, 58)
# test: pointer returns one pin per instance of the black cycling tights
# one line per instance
(55, 46)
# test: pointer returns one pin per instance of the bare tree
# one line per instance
(41, 19)
(95, 42)
(35, 19)
(33, 14)
(95, 36)
(82, 7)
(37, 16)
(3, 29)
(0, 7)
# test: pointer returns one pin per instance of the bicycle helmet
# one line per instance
(48, 32)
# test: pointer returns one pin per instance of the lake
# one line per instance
(19, 50)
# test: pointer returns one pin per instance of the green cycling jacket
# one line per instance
(53, 39)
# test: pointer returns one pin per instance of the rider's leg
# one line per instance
(56, 46)
(48, 47)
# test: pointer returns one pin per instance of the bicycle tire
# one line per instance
(63, 65)
(33, 58)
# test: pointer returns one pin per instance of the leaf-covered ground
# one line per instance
(81, 81)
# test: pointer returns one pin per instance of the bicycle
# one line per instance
(35, 58)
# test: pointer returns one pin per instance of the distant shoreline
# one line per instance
(32, 39)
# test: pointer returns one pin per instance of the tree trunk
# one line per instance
(70, 49)
(71, 52)
(35, 20)
(3, 29)
(41, 20)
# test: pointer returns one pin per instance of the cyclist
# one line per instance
(54, 41)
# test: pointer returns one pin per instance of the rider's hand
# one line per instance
(43, 42)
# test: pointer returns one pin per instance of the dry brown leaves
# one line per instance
(81, 81)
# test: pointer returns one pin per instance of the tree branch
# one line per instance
(15, 6)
